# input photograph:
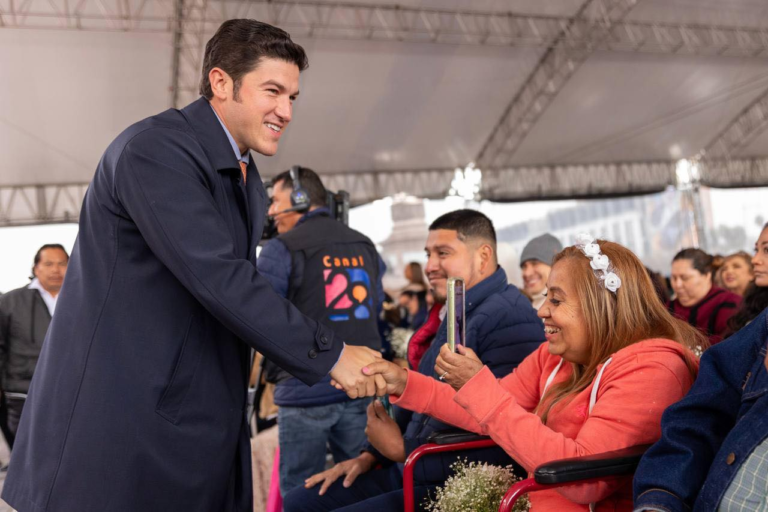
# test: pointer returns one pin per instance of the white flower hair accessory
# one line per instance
(600, 264)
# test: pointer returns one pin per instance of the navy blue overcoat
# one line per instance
(139, 395)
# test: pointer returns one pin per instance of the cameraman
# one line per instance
(332, 274)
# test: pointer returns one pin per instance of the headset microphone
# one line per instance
(291, 209)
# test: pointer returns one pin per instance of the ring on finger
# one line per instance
(442, 377)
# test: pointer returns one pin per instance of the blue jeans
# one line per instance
(304, 433)
(376, 490)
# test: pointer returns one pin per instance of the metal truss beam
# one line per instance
(189, 39)
(747, 172)
(47, 204)
(387, 22)
(574, 181)
(594, 20)
(40, 204)
(750, 123)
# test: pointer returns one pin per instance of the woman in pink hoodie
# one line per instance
(614, 360)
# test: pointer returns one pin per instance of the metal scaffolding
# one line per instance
(45, 204)
(41, 204)
(751, 122)
(594, 20)
(386, 22)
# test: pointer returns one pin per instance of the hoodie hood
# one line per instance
(656, 347)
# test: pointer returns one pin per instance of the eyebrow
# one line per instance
(439, 247)
(280, 87)
(554, 289)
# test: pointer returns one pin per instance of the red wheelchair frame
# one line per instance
(579, 470)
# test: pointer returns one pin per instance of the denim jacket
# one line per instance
(711, 432)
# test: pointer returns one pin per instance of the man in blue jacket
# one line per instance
(332, 274)
(138, 400)
(713, 451)
(502, 328)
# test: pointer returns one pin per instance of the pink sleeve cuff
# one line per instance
(416, 394)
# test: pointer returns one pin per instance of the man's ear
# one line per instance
(487, 259)
(221, 83)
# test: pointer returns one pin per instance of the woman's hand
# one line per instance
(394, 376)
(352, 468)
(457, 369)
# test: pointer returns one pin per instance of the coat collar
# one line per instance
(495, 283)
(211, 135)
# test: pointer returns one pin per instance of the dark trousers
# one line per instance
(379, 489)
(10, 414)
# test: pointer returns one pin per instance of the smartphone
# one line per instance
(456, 313)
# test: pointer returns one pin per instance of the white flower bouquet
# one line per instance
(475, 487)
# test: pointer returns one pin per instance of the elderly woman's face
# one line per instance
(689, 284)
(564, 325)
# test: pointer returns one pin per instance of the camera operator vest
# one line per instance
(334, 280)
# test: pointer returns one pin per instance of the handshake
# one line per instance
(362, 372)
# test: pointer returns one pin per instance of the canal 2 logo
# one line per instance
(347, 290)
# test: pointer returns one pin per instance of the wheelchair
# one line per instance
(553, 474)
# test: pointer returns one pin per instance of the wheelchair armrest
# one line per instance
(429, 448)
(616, 463)
(453, 436)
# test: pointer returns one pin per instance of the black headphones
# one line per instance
(299, 196)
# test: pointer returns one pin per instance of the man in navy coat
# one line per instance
(140, 391)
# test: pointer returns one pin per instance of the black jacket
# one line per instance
(24, 320)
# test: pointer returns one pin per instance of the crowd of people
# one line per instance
(139, 396)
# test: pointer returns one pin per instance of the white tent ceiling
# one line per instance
(382, 115)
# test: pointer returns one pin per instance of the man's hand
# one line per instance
(393, 376)
(347, 374)
(457, 369)
(384, 434)
(352, 468)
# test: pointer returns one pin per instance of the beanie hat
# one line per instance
(542, 248)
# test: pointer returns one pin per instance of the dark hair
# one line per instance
(659, 285)
(310, 182)
(238, 46)
(467, 224)
(699, 259)
(39, 255)
(753, 303)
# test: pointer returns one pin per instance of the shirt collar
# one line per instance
(50, 300)
(242, 158)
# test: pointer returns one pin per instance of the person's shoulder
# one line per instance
(511, 305)
(654, 353)
(273, 248)
(727, 296)
(13, 295)
(157, 135)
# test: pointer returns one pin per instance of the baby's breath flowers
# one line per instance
(475, 487)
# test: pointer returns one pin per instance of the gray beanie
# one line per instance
(542, 248)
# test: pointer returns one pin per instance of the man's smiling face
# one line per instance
(262, 108)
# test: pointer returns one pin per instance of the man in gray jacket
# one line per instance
(25, 314)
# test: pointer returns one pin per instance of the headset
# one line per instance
(299, 197)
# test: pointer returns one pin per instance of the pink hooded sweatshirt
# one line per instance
(635, 387)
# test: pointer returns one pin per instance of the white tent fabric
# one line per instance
(381, 116)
